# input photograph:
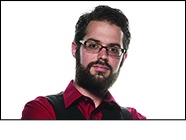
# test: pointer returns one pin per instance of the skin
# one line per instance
(106, 34)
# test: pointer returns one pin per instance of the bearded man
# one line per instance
(100, 47)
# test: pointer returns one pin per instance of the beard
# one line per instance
(97, 82)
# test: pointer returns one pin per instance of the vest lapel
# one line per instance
(112, 112)
(70, 113)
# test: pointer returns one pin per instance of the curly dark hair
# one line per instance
(102, 13)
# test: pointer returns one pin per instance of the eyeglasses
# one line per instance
(93, 46)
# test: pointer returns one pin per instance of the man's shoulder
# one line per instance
(126, 112)
(135, 114)
(55, 99)
(40, 100)
(38, 108)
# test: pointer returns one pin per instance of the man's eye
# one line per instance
(114, 50)
(92, 46)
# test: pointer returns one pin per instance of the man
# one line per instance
(100, 47)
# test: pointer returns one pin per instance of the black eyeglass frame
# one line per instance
(106, 47)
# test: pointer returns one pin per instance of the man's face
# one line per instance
(98, 71)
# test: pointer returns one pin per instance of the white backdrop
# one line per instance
(36, 57)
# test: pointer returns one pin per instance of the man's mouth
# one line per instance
(101, 68)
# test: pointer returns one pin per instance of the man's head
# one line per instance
(97, 69)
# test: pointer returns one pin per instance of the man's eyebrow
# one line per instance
(93, 40)
(115, 44)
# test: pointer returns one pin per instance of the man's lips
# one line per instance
(101, 68)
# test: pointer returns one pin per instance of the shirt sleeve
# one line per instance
(135, 115)
(39, 108)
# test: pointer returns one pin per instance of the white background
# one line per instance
(36, 57)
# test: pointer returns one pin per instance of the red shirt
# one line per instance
(40, 108)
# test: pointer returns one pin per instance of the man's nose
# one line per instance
(103, 54)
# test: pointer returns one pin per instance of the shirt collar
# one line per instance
(71, 94)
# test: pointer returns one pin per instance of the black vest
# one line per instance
(111, 111)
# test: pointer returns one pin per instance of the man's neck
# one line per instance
(97, 97)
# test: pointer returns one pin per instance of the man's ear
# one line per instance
(74, 47)
(125, 55)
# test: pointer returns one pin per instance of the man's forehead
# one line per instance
(104, 32)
